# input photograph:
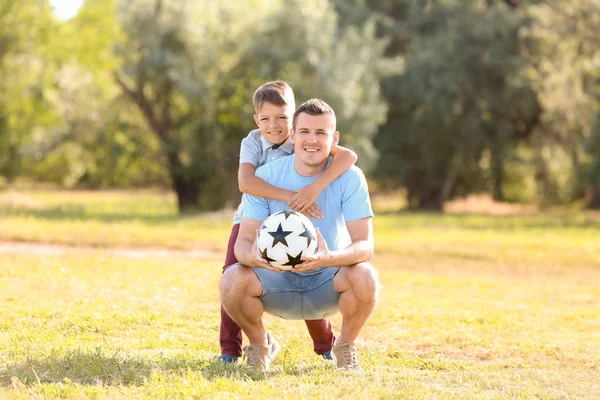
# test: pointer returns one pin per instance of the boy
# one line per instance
(274, 105)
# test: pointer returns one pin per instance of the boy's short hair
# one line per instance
(276, 92)
(314, 107)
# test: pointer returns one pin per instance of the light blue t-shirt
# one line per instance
(257, 150)
(345, 199)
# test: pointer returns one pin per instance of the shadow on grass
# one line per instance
(98, 368)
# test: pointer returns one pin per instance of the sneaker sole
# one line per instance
(276, 351)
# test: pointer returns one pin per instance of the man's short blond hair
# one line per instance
(314, 107)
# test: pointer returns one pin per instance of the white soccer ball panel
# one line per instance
(286, 227)
(264, 240)
(279, 254)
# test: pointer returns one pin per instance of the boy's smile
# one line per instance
(275, 122)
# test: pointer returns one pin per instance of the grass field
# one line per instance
(471, 306)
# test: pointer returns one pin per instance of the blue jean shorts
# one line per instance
(294, 295)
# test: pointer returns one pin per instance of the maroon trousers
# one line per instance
(231, 335)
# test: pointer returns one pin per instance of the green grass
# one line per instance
(471, 306)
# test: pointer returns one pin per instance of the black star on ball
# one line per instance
(308, 234)
(265, 256)
(279, 236)
(293, 261)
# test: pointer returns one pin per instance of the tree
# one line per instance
(464, 97)
(191, 69)
(341, 64)
(592, 176)
(24, 32)
(174, 53)
(91, 140)
(563, 49)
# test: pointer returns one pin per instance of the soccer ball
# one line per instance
(285, 237)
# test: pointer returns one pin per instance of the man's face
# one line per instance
(313, 138)
(275, 122)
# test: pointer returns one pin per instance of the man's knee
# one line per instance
(360, 277)
(367, 276)
(239, 280)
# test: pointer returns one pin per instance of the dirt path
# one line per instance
(41, 249)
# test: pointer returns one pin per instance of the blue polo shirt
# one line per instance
(257, 150)
(345, 199)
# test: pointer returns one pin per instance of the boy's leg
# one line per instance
(230, 334)
(321, 334)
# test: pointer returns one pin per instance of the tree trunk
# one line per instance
(594, 198)
(421, 196)
(188, 195)
(497, 178)
(497, 158)
(431, 200)
(159, 118)
(185, 187)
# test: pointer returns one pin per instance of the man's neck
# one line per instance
(309, 170)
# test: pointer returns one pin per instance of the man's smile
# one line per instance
(311, 149)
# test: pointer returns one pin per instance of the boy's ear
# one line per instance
(256, 119)
(336, 137)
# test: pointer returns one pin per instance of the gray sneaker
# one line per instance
(260, 357)
(345, 357)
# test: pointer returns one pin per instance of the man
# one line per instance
(274, 104)
(339, 277)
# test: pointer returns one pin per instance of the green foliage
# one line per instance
(176, 57)
(81, 133)
(342, 65)
(24, 32)
(192, 77)
(591, 169)
(564, 57)
(464, 92)
(496, 96)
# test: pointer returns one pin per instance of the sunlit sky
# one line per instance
(66, 9)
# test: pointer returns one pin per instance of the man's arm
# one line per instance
(245, 248)
(361, 249)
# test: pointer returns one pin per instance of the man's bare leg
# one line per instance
(358, 287)
(240, 291)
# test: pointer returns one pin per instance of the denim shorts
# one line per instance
(294, 295)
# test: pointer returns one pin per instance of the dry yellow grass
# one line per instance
(471, 306)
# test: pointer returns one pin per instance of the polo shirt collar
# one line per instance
(287, 146)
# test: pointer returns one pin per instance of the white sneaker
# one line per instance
(345, 356)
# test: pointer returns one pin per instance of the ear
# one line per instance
(293, 136)
(256, 119)
(336, 137)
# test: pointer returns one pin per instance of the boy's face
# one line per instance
(313, 138)
(275, 122)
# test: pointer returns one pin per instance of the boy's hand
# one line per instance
(303, 201)
(320, 259)
(258, 261)
(313, 211)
